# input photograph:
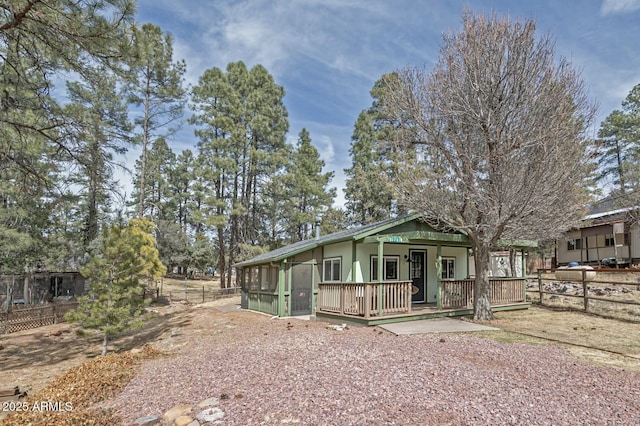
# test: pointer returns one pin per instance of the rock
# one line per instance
(147, 421)
(183, 421)
(194, 423)
(210, 402)
(175, 412)
(210, 415)
(135, 351)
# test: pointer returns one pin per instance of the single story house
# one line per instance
(396, 269)
(609, 238)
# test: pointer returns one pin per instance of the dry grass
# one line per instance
(603, 341)
(177, 285)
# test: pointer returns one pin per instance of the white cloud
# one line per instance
(611, 7)
(325, 149)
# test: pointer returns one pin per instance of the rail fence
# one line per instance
(193, 295)
(611, 292)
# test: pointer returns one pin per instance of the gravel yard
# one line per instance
(287, 371)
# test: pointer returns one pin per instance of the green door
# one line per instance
(301, 289)
(418, 275)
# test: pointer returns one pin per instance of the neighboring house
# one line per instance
(424, 272)
(607, 238)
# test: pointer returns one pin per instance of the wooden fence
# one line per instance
(193, 295)
(600, 289)
(32, 316)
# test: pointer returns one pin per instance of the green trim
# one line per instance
(354, 261)
(281, 271)
(419, 236)
(387, 226)
(290, 273)
(439, 276)
(517, 243)
(380, 271)
(314, 286)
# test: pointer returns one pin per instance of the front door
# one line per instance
(418, 275)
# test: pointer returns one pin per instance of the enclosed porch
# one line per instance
(374, 303)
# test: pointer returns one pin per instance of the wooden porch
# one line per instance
(373, 303)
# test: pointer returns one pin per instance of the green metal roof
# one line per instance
(358, 233)
(354, 234)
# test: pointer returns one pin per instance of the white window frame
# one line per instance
(445, 269)
(396, 259)
(574, 244)
(331, 261)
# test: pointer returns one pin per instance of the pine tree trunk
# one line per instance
(482, 290)
(104, 344)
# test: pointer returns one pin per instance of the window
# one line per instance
(574, 244)
(389, 268)
(448, 268)
(332, 269)
(269, 278)
(253, 278)
(609, 240)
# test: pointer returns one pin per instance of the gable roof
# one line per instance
(357, 233)
(353, 234)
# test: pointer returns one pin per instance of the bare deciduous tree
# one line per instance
(498, 129)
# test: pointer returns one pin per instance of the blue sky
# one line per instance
(327, 54)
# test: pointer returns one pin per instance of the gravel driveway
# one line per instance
(273, 371)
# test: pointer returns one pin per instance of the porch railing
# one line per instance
(365, 299)
(459, 293)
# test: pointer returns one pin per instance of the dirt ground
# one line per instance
(31, 359)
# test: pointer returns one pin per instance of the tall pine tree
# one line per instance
(156, 87)
(307, 189)
(369, 197)
(619, 143)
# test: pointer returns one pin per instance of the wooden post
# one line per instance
(202, 294)
(367, 300)
(585, 290)
(524, 276)
(439, 276)
(6, 318)
(281, 279)
(540, 285)
(380, 277)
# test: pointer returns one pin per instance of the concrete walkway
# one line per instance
(435, 325)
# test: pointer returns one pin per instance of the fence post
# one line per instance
(585, 290)
(202, 294)
(540, 285)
